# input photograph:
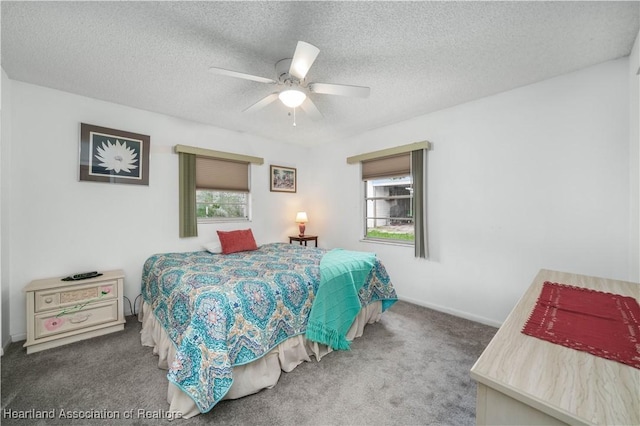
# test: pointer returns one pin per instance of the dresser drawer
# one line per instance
(75, 294)
(47, 324)
(61, 312)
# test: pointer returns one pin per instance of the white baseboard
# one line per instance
(455, 312)
(18, 337)
(5, 346)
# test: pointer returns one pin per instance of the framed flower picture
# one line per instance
(113, 156)
(283, 179)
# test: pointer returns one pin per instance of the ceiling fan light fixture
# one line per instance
(292, 98)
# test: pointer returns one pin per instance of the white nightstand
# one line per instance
(61, 312)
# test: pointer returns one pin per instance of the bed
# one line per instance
(226, 325)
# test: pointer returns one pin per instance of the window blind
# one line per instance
(394, 165)
(222, 175)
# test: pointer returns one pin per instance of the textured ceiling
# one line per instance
(417, 57)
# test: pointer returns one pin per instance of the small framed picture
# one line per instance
(113, 156)
(283, 179)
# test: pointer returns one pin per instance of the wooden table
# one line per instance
(304, 238)
(524, 380)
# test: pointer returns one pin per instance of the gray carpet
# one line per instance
(412, 367)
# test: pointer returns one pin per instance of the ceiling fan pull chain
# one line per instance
(294, 117)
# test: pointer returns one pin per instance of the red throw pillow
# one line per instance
(235, 241)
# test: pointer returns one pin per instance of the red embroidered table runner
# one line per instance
(604, 324)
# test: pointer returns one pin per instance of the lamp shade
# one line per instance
(292, 97)
(301, 217)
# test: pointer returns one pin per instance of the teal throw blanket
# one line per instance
(336, 305)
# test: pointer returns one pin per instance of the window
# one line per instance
(389, 209)
(221, 205)
(395, 195)
(389, 198)
(212, 186)
(222, 190)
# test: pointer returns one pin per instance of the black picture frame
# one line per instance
(113, 156)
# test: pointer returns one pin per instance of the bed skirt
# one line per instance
(249, 378)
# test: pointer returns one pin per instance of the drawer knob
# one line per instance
(48, 300)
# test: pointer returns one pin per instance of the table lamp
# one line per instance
(301, 218)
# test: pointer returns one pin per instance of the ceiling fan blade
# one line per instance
(236, 74)
(262, 102)
(302, 60)
(310, 109)
(340, 89)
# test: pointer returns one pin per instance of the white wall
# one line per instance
(634, 161)
(61, 226)
(5, 178)
(537, 177)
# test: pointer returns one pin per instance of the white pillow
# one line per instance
(213, 247)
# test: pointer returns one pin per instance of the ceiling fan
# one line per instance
(292, 87)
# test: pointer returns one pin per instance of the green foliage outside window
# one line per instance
(221, 204)
(390, 235)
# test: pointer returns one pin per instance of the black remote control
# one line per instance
(85, 275)
(82, 276)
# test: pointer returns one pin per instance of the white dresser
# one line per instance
(61, 312)
(527, 381)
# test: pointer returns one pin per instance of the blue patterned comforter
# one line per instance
(226, 310)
